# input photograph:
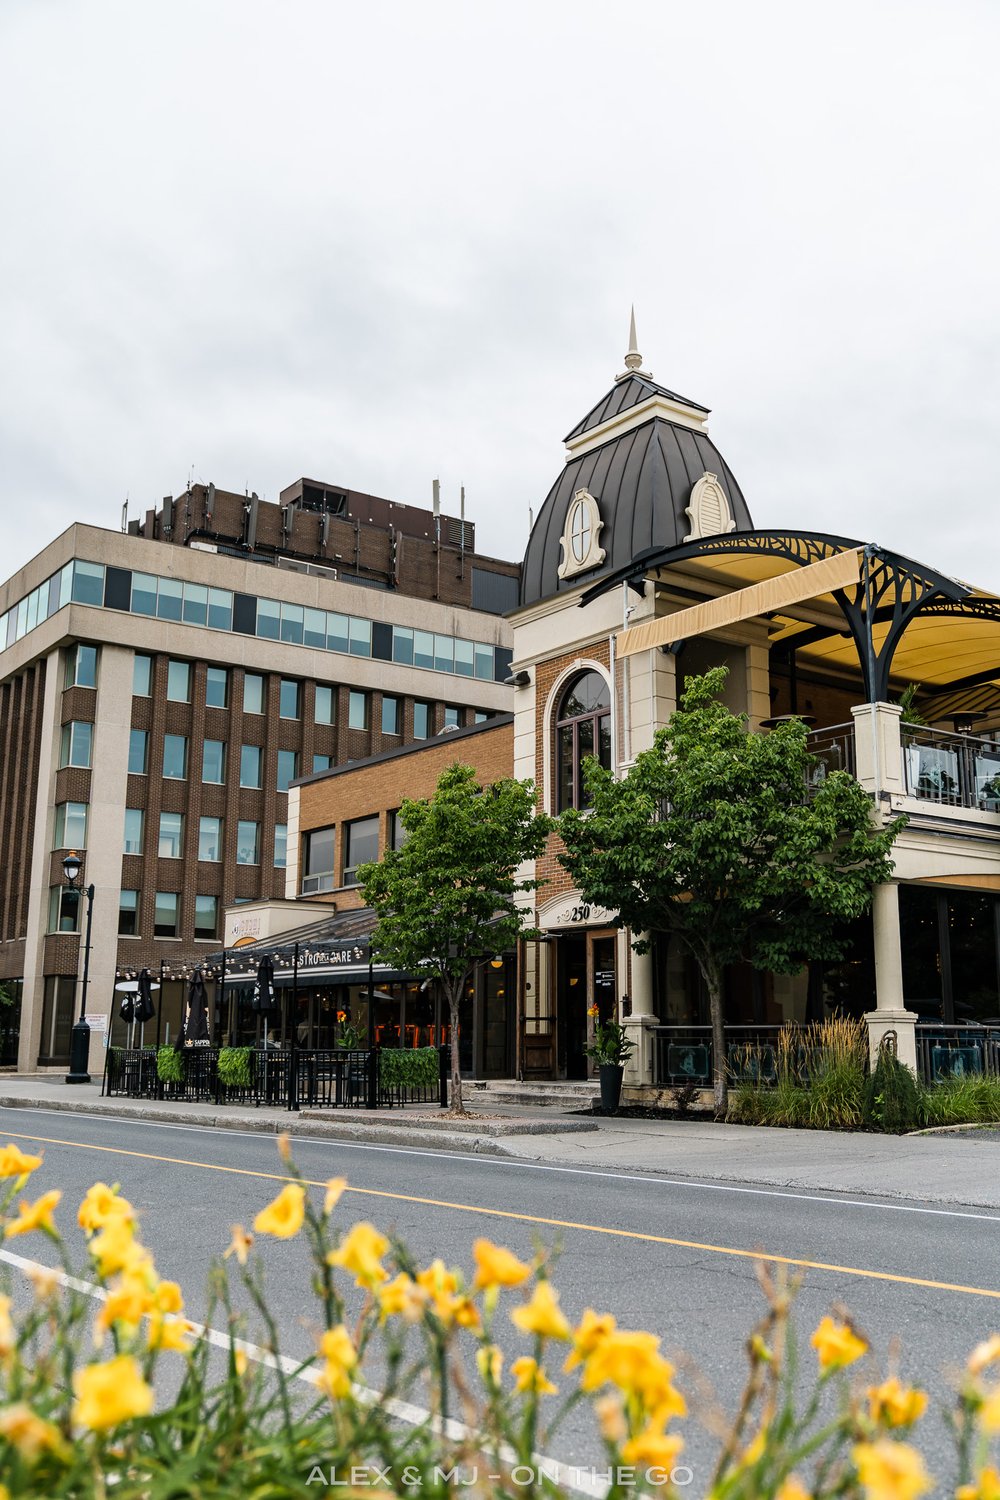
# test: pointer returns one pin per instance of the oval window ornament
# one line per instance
(580, 540)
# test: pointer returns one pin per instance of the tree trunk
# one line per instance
(454, 994)
(720, 1080)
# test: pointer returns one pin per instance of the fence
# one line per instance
(685, 1054)
(306, 1078)
(957, 1052)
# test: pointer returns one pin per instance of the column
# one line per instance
(639, 1024)
(890, 1013)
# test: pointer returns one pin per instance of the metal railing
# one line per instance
(953, 770)
(957, 1052)
(308, 1078)
(834, 751)
(685, 1054)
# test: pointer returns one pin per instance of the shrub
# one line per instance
(409, 1067)
(970, 1100)
(169, 1066)
(234, 1067)
(818, 1074)
(893, 1098)
(79, 1420)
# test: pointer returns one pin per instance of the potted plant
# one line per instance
(348, 1034)
(611, 1050)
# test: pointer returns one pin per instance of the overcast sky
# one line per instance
(378, 243)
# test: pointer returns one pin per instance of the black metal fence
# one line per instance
(957, 1052)
(685, 1054)
(299, 1078)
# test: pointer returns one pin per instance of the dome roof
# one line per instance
(639, 454)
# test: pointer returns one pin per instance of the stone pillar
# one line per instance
(890, 1013)
(639, 1025)
(878, 747)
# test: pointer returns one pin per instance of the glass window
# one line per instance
(361, 845)
(171, 844)
(128, 914)
(253, 693)
(314, 632)
(318, 864)
(143, 594)
(357, 713)
(361, 637)
(452, 717)
(484, 662)
(250, 762)
(81, 666)
(444, 653)
(324, 704)
(390, 715)
(210, 839)
(167, 914)
(291, 623)
(88, 582)
(217, 687)
(213, 762)
(423, 648)
(288, 699)
(269, 619)
(397, 833)
(175, 753)
(465, 658)
(288, 768)
(583, 728)
(280, 845)
(142, 676)
(195, 604)
(337, 632)
(179, 681)
(71, 825)
(169, 598)
(421, 720)
(322, 763)
(480, 716)
(248, 843)
(206, 916)
(64, 909)
(220, 609)
(402, 645)
(135, 821)
(77, 741)
(138, 752)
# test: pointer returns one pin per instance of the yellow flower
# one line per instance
(37, 1215)
(335, 1190)
(490, 1362)
(542, 1315)
(127, 1302)
(102, 1204)
(110, 1393)
(893, 1405)
(652, 1449)
(14, 1162)
(170, 1333)
(440, 1286)
(984, 1354)
(890, 1471)
(340, 1357)
(986, 1487)
(591, 1329)
(529, 1376)
(610, 1415)
(836, 1345)
(285, 1216)
(989, 1412)
(8, 1336)
(31, 1435)
(239, 1245)
(115, 1248)
(633, 1363)
(240, 1362)
(401, 1295)
(496, 1266)
(361, 1251)
(792, 1489)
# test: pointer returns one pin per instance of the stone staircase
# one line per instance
(535, 1093)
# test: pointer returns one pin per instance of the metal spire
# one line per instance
(633, 359)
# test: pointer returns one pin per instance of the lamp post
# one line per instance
(79, 1045)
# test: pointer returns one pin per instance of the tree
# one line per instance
(447, 898)
(718, 838)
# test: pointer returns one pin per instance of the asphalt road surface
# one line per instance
(677, 1257)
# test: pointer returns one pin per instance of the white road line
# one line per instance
(649, 1179)
(571, 1477)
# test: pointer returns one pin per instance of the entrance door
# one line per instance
(572, 1007)
(603, 958)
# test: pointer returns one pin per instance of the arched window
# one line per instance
(583, 727)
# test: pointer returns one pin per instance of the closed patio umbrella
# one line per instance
(265, 1000)
(144, 1008)
(195, 1028)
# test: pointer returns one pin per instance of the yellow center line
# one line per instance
(507, 1213)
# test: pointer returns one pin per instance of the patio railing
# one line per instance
(957, 1051)
(954, 770)
(834, 750)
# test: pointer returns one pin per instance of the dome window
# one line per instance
(580, 538)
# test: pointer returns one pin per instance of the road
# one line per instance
(674, 1256)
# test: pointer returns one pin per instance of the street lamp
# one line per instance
(79, 1045)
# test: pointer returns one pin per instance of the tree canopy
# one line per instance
(723, 840)
(449, 896)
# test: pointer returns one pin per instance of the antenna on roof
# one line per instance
(125, 515)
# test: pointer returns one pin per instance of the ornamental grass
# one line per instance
(107, 1390)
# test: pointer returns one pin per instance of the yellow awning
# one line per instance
(764, 598)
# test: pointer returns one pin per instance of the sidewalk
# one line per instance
(953, 1168)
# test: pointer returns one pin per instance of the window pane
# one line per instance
(210, 839)
(88, 583)
(484, 662)
(288, 768)
(320, 848)
(64, 909)
(421, 720)
(289, 699)
(195, 604)
(250, 758)
(81, 667)
(217, 687)
(247, 836)
(169, 598)
(390, 715)
(253, 694)
(268, 619)
(423, 649)
(220, 609)
(465, 658)
(587, 694)
(143, 594)
(165, 919)
(179, 681)
(314, 630)
(361, 637)
(206, 916)
(397, 833)
(604, 736)
(142, 676)
(357, 717)
(585, 747)
(322, 763)
(171, 843)
(138, 743)
(134, 821)
(402, 645)
(76, 744)
(128, 914)
(564, 756)
(336, 632)
(213, 762)
(324, 704)
(175, 757)
(280, 845)
(362, 846)
(444, 653)
(291, 623)
(451, 717)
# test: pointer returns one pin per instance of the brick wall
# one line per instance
(21, 703)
